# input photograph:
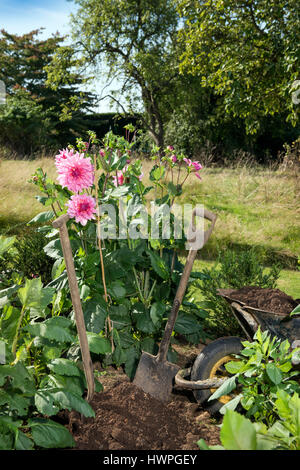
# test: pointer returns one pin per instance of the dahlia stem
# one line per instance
(101, 256)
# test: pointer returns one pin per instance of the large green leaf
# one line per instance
(98, 344)
(274, 373)
(186, 324)
(55, 328)
(21, 379)
(64, 366)
(15, 401)
(131, 361)
(6, 244)
(142, 319)
(157, 311)
(23, 442)
(49, 434)
(159, 265)
(44, 402)
(42, 217)
(237, 432)
(95, 313)
(34, 297)
(53, 249)
(9, 320)
(224, 389)
(62, 399)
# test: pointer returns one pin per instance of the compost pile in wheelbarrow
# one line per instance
(271, 300)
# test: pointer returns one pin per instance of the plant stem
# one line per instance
(101, 255)
(138, 284)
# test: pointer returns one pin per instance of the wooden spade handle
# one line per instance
(60, 223)
(164, 345)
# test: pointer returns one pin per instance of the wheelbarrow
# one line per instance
(208, 371)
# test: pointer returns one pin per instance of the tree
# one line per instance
(35, 115)
(246, 50)
(136, 42)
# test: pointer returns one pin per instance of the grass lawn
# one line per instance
(256, 207)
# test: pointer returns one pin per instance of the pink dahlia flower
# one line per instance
(82, 207)
(174, 158)
(197, 166)
(62, 156)
(187, 161)
(76, 173)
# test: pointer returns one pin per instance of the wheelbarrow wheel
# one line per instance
(210, 363)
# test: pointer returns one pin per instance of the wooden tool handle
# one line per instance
(164, 345)
(60, 223)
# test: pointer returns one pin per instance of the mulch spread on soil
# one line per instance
(271, 300)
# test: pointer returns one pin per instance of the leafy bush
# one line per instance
(35, 376)
(239, 433)
(30, 259)
(232, 270)
(263, 370)
(269, 395)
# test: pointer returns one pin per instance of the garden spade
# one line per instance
(154, 374)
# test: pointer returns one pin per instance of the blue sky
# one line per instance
(23, 16)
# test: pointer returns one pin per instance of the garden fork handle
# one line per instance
(60, 223)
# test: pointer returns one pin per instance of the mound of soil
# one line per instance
(127, 418)
(272, 300)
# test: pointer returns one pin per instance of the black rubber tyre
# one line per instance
(205, 363)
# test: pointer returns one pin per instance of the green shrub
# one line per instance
(30, 258)
(232, 270)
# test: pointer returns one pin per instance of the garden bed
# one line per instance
(127, 418)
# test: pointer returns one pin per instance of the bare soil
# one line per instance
(127, 418)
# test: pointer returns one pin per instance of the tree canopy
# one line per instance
(134, 41)
(246, 50)
(36, 115)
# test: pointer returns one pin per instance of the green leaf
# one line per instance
(156, 312)
(49, 434)
(149, 345)
(116, 290)
(44, 403)
(186, 324)
(157, 173)
(131, 361)
(55, 328)
(21, 379)
(233, 367)
(6, 244)
(53, 249)
(296, 310)
(42, 217)
(274, 373)
(237, 432)
(231, 405)
(142, 319)
(64, 366)
(95, 313)
(159, 265)
(23, 442)
(224, 389)
(98, 344)
(15, 401)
